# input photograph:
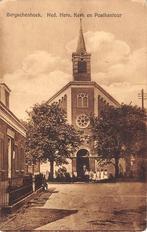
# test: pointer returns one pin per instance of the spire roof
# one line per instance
(81, 42)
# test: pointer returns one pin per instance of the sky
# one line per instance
(35, 52)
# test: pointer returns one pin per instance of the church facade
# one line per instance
(79, 98)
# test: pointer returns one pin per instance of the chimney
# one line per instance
(4, 94)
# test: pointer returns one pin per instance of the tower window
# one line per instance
(82, 100)
(82, 68)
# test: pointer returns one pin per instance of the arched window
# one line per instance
(82, 100)
(82, 68)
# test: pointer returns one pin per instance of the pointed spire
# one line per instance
(81, 43)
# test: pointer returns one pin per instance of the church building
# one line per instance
(79, 98)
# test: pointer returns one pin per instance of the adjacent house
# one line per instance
(12, 141)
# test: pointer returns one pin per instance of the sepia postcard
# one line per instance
(73, 115)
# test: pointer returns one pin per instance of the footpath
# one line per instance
(31, 215)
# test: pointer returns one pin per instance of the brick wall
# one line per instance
(17, 151)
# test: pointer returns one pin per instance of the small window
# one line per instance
(85, 101)
(7, 99)
(16, 158)
(2, 154)
(82, 100)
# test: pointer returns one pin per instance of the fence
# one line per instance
(14, 193)
(4, 197)
(20, 192)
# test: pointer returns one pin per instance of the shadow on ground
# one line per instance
(30, 216)
(36, 217)
(124, 217)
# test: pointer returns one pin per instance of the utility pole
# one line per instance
(143, 97)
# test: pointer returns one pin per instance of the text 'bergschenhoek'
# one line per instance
(23, 14)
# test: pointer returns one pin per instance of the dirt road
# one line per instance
(117, 206)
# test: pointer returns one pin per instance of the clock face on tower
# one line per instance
(82, 121)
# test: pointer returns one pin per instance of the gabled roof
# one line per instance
(88, 83)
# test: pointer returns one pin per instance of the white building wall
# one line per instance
(44, 167)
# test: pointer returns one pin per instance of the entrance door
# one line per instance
(82, 163)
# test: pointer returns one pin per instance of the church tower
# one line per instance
(81, 60)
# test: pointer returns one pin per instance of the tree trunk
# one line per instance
(116, 167)
(51, 170)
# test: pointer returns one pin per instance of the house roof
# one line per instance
(7, 116)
